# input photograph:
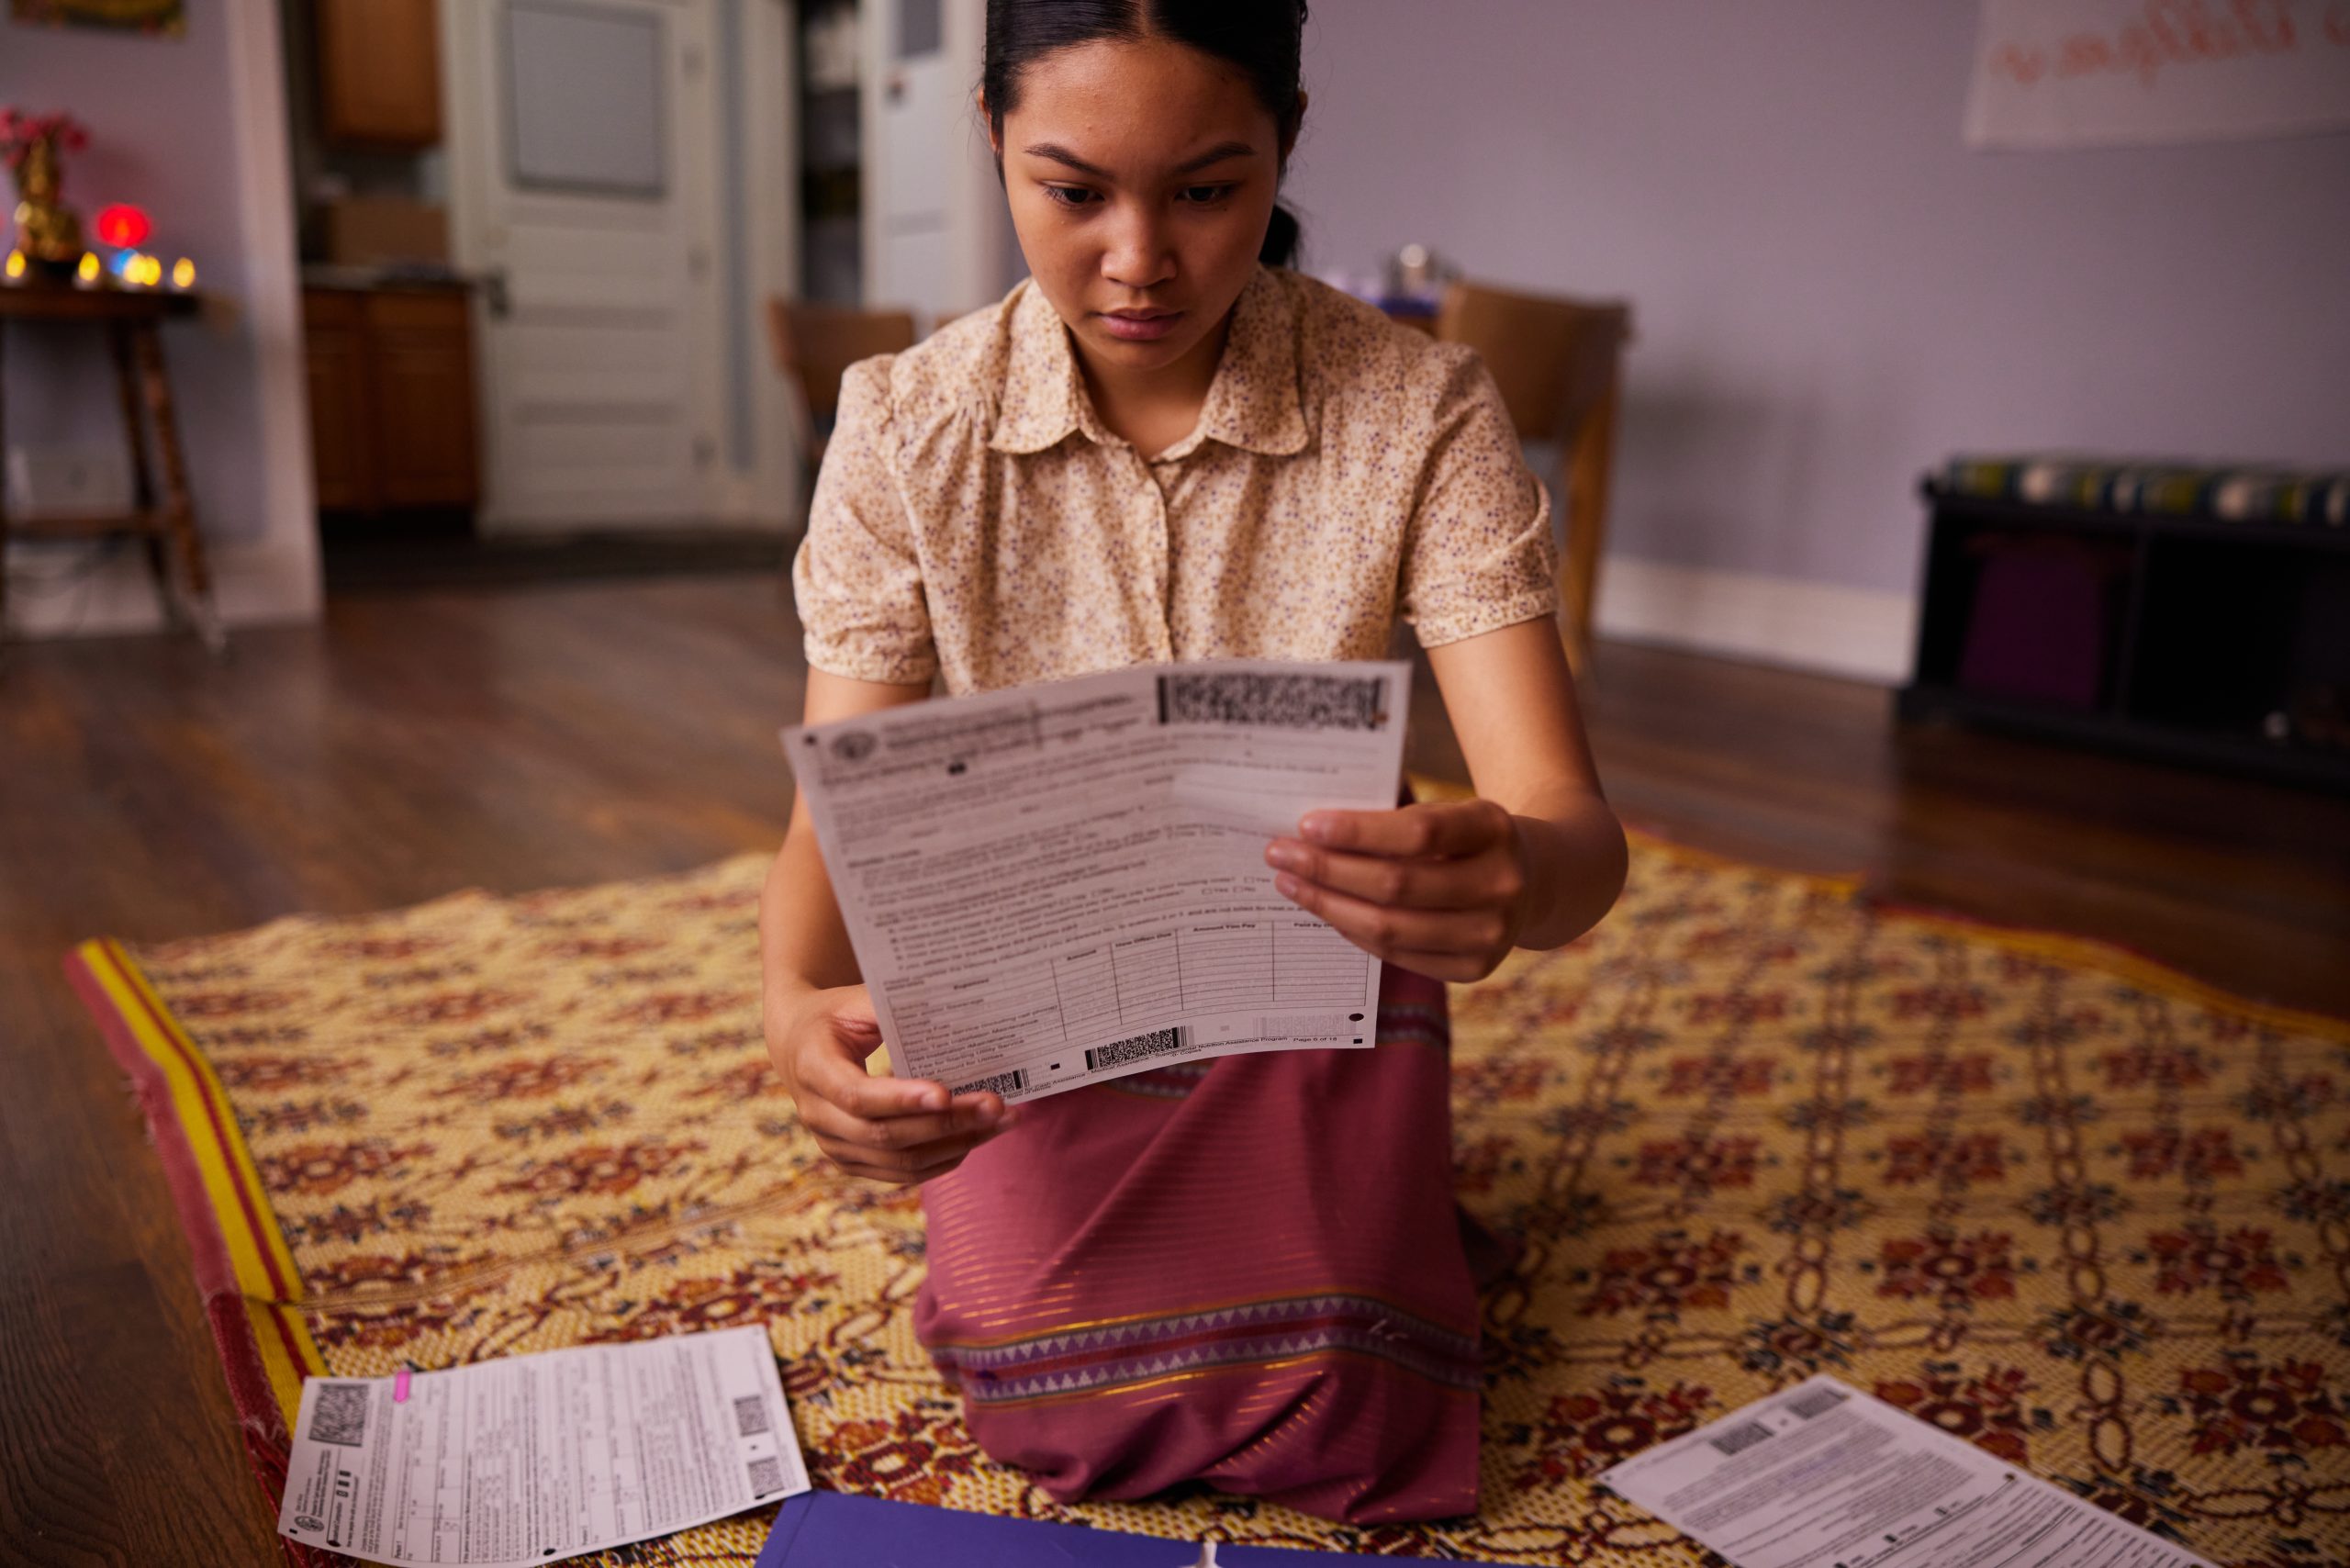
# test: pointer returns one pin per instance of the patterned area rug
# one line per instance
(2082, 1212)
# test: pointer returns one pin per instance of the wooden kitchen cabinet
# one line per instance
(334, 345)
(379, 72)
(392, 407)
(423, 380)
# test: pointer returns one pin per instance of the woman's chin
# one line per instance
(1129, 353)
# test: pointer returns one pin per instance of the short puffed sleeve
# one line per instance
(858, 577)
(1479, 555)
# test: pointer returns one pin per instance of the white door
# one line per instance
(936, 234)
(582, 172)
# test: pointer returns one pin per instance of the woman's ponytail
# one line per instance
(1282, 236)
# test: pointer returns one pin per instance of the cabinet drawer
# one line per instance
(334, 307)
(431, 310)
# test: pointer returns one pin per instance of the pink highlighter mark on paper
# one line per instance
(399, 1387)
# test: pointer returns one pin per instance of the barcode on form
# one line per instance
(1737, 1439)
(1291, 702)
(1814, 1401)
(1158, 1042)
(341, 1414)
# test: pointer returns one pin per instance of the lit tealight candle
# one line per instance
(183, 273)
(16, 264)
(87, 273)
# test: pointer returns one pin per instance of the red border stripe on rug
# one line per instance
(241, 1261)
(237, 1164)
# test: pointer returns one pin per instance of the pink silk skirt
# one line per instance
(1246, 1273)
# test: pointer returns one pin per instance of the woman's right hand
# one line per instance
(898, 1130)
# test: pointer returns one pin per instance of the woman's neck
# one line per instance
(1153, 409)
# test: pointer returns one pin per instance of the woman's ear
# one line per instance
(987, 123)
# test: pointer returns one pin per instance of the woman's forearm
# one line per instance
(803, 947)
(802, 944)
(1512, 701)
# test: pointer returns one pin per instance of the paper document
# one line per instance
(531, 1458)
(1060, 884)
(1824, 1476)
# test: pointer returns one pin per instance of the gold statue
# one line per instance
(48, 232)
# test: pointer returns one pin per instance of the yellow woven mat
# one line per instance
(2088, 1215)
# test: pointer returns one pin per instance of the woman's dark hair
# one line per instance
(1261, 37)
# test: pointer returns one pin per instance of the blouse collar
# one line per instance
(1252, 403)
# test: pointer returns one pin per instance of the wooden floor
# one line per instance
(527, 737)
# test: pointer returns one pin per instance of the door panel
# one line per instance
(582, 170)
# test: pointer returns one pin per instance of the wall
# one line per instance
(193, 130)
(1831, 294)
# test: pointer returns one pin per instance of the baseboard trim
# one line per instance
(1861, 634)
(254, 584)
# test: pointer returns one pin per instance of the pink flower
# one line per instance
(21, 132)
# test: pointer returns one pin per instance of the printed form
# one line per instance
(1824, 1476)
(1056, 885)
(529, 1458)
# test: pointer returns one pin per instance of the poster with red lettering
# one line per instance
(2085, 73)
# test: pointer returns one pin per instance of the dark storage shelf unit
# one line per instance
(2200, 639)
(831, 156)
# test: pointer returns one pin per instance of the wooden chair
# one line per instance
(1558, 365)
(814, 344)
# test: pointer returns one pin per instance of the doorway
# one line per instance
(583, 164)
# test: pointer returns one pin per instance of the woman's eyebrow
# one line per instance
(1217, 154)
(1059, 154)
(1056, 153)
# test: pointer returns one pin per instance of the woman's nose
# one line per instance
(1138, 256)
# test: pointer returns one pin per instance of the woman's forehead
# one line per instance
(1133, 110)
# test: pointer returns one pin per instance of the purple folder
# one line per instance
(833, 1530)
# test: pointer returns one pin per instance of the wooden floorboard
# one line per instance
(524, 737)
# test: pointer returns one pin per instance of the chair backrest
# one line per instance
(1552, 358)
(1556, 363)
(814, 344)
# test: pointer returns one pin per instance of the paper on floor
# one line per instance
(530, 1458)
(1822, 1475)
(1060, 884)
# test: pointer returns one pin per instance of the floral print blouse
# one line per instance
(974, 518)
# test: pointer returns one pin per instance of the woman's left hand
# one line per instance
(1437, 889)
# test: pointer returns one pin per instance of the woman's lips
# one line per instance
(1141, 328)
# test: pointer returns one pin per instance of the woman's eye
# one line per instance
(1069, 196)
(1203, 195)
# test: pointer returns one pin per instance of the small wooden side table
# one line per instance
(166, 521)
